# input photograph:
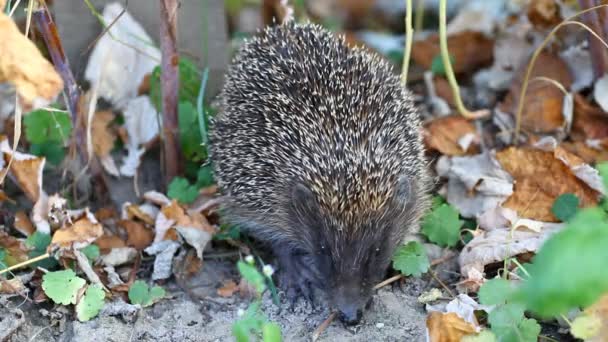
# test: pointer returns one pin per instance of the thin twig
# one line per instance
(317, 333)
(449, 72)
(434, 275)
(409, 37)
(25, 263)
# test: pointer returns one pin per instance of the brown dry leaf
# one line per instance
(542, 111)
(590, 122)
(108, 242)
(588, 154)
(4, 197)
(106, 213)
(445, 133)
(447, 327)
(78, 235)
(103, 137)
(444, 90)
(134, 211)
(540, 177)
(228, 289)
(12, 286)
(193, 226)
(471, 50)
(544, 13)
(16, 251)
(26, 170)
(22, 64)
(23, 223)
(138, 235)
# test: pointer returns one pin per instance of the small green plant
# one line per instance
(48, 130)
(442, 225)
(181, 190)
(411, 259)
(252, 321)
(38, 243)
(565, 206)
(140, 293)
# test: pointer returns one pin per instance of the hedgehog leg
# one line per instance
(293, 277)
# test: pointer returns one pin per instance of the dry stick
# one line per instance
(25, 263)
(539, 49)
(169, 86)
(317, 333)
(597, 22)
(399, 276)
(449, 72)
(48, 29)
(409, 37)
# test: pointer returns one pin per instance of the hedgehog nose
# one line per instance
(350, 316)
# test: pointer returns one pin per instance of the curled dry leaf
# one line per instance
(12, 286)
(589, 154)
(544, 14)
(443, 135)
(138, 235)
(541, 177)
(21, 64)
(141, 122)
(15, 249)
(146, 213)
(26, 171)
(119, 256)
(470, 50)
(157, 198)
(164, 252)
(543, 106)
(107, 243)
(447, 327)
(78, 235)
(590, 122)
(103, 140)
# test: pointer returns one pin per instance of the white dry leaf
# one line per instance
(479, 16)
(85, 266)
(382, 42)
(119, 256)
(476, 184)
(39, 215)
(122, 57)
(497, 218)
(164, 252)
(439, 105)
(498, 244)
(195, 237)
(465, 306)
(113, 277)
(568, 111)
(131, 162)
(7, 103)
(157, 198)
(578, 60)
(161, 225)
(466, 140)
(109, 165)
(533, 225)
(600, 92)
(141, 122)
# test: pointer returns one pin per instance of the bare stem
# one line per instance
(169, 87)
(409, 37)
(25, 263)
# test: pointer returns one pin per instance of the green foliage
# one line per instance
(38, 242)
(603, 170)
(442, 225)
(509, 324)
(181, 190)
(62, 286)
(565, 206)
(411, 259)
(271, 332)
(586, 326)
(189, 83)
(204, 177)
(2, 258)
(140, 293)
(483, 336)
(48, 131)
(92, 302)
(437, 66)
(91, 252)
(251, 321)
(569, 269)
(190, 133)
(252, 276)
(495, 291)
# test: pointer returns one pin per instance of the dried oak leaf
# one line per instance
(543, 107)
(26, 170)
(590, 122)
(138, 235)
(544, 13)
(79, 234)
(447, 327)
(446, 135)
(107, 243)
(541, 177)
(470, 50)
(22, 64)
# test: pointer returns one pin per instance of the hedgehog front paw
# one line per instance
(293, 279)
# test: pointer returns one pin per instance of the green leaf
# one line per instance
(54, 152)
(565, 206)
(271, 332)
(442, 226)
(495, 291)
(91, 252)
(190, 133)
(586, 326)
(509, 324)
(43, 126)
(39, 242)
(251, 321)
(603, 170)
(483, 336)
(140, 293)
(2, 258)
(437, 66)
(62, 286)
(92, 302)
(204, 177)
(252, 276)
(189, 83)
(436, 201)
(411, 259)
(569, 270)
(181, 190)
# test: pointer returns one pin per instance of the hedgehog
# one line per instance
(318, 152)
